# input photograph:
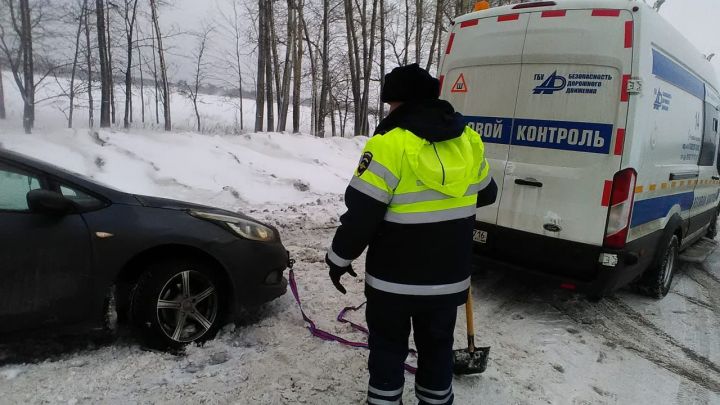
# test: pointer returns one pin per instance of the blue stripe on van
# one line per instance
(671, 72)
(491, 129)
(546, 134)
(563, 135)
(645, 211)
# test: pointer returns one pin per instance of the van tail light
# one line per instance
(621, 203)
(534, 4)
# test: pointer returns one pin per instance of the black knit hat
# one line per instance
(409, 83)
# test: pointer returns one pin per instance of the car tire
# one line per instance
(177, 302)
(713, 230)
(657, 279)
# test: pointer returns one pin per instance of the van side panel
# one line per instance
(668, 123)
(707, 189)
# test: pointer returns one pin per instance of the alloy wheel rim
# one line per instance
(187, 306)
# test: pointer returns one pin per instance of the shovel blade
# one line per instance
(466, 362)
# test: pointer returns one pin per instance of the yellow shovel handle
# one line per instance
(470, 322)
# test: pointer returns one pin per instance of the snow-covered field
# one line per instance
(548, 346)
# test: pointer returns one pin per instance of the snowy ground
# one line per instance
(548, 346)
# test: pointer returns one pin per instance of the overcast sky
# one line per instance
(698, 20)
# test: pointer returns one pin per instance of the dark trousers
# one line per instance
(389, 332)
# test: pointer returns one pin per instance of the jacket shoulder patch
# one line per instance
(364, 163)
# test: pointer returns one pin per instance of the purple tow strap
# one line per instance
(327, 336)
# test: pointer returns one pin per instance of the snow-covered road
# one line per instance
(548, 346)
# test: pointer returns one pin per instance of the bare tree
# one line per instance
(313, 66)
(19, 54)
(110, 64)
(407, 31)
(71, 95)
(418, 30)
(297, 66)
(276, 70)
(200, 73)
(129, 15)
(142, 79)
(104, 65)
(233, 29)
(163, 67)
(155, 76)
(353, 56)
(28, 66)
(437, 29)
(2, 96)
(268, 48)
(325, 71)
(88, 60)
(284, 84)
(261, 55)
(383, 13)
(361, 57)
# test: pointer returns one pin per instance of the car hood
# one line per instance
(170, 204)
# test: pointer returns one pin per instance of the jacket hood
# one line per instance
(444, 155)
(432, 120)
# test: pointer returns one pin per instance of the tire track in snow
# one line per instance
(689, 393)
(695, 301)
(708, 281)
(621, 324)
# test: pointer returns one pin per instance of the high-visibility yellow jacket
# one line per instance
(413, 200)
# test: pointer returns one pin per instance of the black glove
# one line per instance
(336, 272)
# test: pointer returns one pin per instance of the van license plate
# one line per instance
(479, 236)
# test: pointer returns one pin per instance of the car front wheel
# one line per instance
(176, 303)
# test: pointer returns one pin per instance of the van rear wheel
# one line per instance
(713, 230)
(657, 279)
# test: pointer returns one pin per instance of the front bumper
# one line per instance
(562, 263)
(256, 271)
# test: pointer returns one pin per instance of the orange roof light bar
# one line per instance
(481, 5)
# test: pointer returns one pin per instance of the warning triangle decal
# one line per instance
(459, 86)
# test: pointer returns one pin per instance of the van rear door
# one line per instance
(480, 75)
(568, 128)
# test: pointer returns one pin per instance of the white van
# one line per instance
(600, 123)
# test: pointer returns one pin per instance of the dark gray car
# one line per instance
(70, 248)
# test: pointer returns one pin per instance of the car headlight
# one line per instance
(244, 228)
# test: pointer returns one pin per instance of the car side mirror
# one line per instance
(49, 202)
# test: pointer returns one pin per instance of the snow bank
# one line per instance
(229, 171)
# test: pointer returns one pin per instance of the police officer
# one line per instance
(412, 200)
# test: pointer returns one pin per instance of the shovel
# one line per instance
(472, 360)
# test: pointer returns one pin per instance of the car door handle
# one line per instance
(528, 182)
(683, 175)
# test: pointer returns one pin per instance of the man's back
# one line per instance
(413, 200)
(434, 167)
